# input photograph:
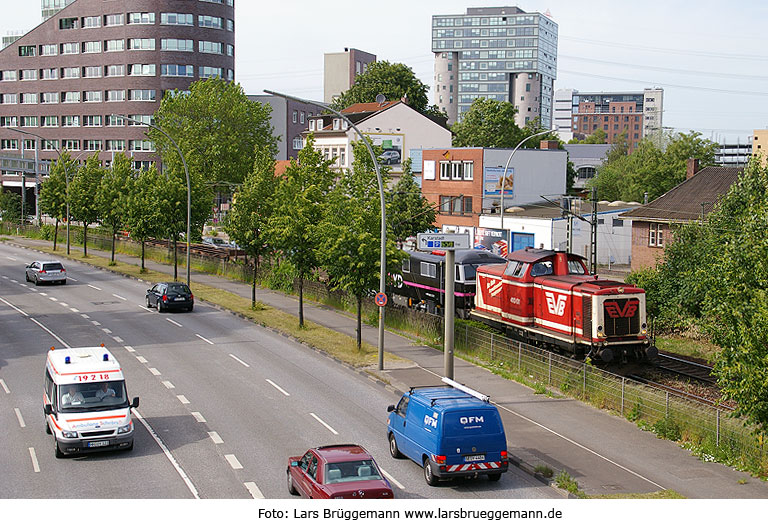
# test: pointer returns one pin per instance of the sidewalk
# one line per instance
(604, 453)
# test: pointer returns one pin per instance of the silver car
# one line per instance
(46, 271)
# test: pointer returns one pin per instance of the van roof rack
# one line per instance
(467, 390)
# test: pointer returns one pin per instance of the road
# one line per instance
(224, 402)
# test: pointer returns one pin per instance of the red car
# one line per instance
(337, 472)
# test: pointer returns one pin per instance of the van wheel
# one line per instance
(393, 449)
(291, 487)
(47, 427)
(428, 475)
(494, 477)
(56, 449)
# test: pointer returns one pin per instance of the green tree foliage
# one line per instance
(144, 219)
(408, 211)
(112, 195)
(649, 168)
(393, 81)
(10, 206)
(351, 229)
(53, 191)
(301, 198)
(216, 127)
(252, 208)
(83, 188)
(598, 137)
(488, 123)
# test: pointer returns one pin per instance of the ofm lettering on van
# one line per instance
(467, 420)
(430, 421)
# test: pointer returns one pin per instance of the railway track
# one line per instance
(694, 370)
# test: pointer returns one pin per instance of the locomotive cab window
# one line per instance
(428, 269)
(515, 269)
(541, 268)
(576, 267)
(407, 265)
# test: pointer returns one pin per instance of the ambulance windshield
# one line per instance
(88, 397)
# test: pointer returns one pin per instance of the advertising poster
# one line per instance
(492, 182)
(493, 240)
(392, 146)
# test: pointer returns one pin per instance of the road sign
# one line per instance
(381, 299)
(449, 241)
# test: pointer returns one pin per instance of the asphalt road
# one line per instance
(224, 402)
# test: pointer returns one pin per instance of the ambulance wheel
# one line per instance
(428, 475)
(291, 487)
(494, 477)
(56, 450)
(393, 449)
(47, 428)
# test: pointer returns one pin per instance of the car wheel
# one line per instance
(428, 475)
(149, 305)
(37, 281)
(494, 477)
(191, 308)
(64, 281)
(56, 450)
(393, 449)
(159, 306)
(26, 277)
(291, 487)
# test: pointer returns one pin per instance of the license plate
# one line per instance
(181, 298)
(100, 443)
(474, 458)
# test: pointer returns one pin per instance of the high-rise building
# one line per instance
(581, 114)
(500, 53)
(341, 69)
(51, 7)
(65, 82)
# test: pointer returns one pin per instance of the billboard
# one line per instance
(492, 182)
(493, 240)
(392, 149)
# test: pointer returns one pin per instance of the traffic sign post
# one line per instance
(381, 299)
(446, 241)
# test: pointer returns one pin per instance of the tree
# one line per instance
(300, 198)
(252, 207)
(112, 196)
(598, 137)
(488, 123)
(351, 229)
(408, 211)
(10, 206)
(53, 192)
(217, 128)
(143, 215)
(393, 81)
(83, 188)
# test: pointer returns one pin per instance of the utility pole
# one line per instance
(593, 242)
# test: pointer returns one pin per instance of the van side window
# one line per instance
(402, 406)
(49, 387)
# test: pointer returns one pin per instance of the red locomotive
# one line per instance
(548, 298)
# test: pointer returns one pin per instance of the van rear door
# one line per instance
(472, 436)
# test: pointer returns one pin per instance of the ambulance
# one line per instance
(85, 401)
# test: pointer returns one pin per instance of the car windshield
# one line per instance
(52, 266)
(178, 288)
(89, 397)
(351, 471)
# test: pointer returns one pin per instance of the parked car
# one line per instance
(216, 241)
(170, 295)
(390, 157)
(337, 472)
(46, 271)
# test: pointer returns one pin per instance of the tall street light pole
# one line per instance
(383, 258)
(506, 167)
(66, 172)
(186, 173)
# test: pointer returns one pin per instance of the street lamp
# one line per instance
(383, 258)
(506, 167)
(66, 172)
(186, 173)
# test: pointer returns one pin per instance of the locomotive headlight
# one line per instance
(600, 335)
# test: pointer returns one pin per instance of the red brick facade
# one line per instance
(457, 187)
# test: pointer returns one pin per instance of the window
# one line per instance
(141, 44)
(92, 47)
(9, 121)
(115, 145)
(91, 22)
(428, 269)
(70, 97)
(28, 75)
(50, 144)
(177, 19)
(114, 45)
(142, 95)
(92, 121)
(27, 51)
(29, 121)
(209, 71)
(10, 144)
(177, 70)
(114, 70)
(50, 121)
(68, 23)
(29, 98)
(230, 25)
(49, 74)
(117, 19)
(114, 121)
(70, 73)
(210, 22)
(92, 145)
(29, 144)
(298, 143)
(8, 75)
(295, 116)
(91, 72)
(302, 117)
(70, 121)
(469, 168)
(456, 170)
(177, 45)
(92, 96)
(115, 95)
(145, 120)
(48, 50)
(49, 97)
(456, 205)
(656, 235)
(141, 70)
(69, 48)
(216, 48)
(141, 18)
(72, 144)
(140, 145)
(445, 170)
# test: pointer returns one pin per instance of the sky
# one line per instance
(710, 57)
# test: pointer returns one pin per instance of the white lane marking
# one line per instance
(54, 299)
(154, 371)
(95, 323)
(73, 279)
(331, 429)
(23, 285)
(130, 349)
(19, 417)
(233, 461)
(74, 310)
(239, 360)
(5, 277)
(94, 287)
(32, 289)
(215, 437)
(254, 490)
(33, 456)
(4, 386)
(57, 338)
(65, 305)
(183, 399)
(145, 308)
(173, 322)
(198, 417)
(168, 385)
(204, 339)
(22, 312)
(117, 339)
(85, 316)
(14, 281)
(43, 294)
(392, 479)
(141, 359)
(275, 385)
(106, 330)
(168, 455)
(13, 259)
(121, 298)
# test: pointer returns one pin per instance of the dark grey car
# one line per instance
(50, 271)
(170, 295)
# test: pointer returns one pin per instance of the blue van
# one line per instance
(451, 431)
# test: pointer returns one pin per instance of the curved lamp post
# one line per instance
(186, 173)
(383, 258)
(66, 172)
(506, 167)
